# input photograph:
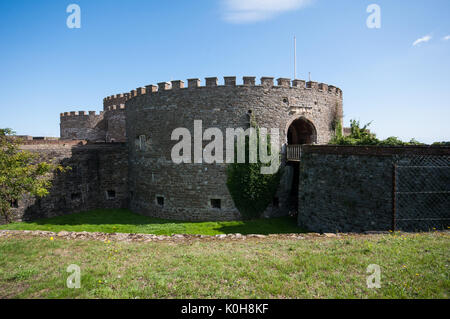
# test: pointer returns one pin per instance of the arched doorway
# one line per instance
(300, 132)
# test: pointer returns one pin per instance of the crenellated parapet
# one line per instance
(115, 100)
(115, 107)
(228, 81)
(109, 125)
(72, 114)
(301, 112)
(82, 125)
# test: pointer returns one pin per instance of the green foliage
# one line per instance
(358, 136)
(362, 136)
(338, 128)
(251, 191)
(395, 141)
(20, 173)
(441, 144)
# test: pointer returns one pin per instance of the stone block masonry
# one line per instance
(164, 189)
(98, 179)
(350, 189)
(334, 188)
(82, 126)
(146, 116)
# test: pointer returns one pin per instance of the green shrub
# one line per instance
(362, 136)
(252, 192)
(441, 144)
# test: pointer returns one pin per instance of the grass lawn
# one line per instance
(412, 266)
(124, 221)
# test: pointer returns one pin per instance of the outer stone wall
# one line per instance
(350, 189)
(187, 189)
(115, 125)
(96, 169)
(108, 126)
(82, 126)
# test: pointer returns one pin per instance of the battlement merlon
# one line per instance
(114, 102)
(212, 82)
(80, 114)
(117, 99)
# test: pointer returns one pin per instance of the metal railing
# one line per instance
(294, 153)
(421, 193)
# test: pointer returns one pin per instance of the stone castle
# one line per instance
(121, 158)
(304, 112)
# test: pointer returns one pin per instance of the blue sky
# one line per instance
(47, 68)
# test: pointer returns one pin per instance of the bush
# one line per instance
(441, 144)
(252, 192)
(362, 136)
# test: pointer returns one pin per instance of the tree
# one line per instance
(21, 173)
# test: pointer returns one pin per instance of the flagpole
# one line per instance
(295, 58)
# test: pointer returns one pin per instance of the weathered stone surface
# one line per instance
(350, 189)
(122, 237)
(256, 236)
(63, 233)
(98, 171)
(108, 126)
(83, 127)
(186, 190)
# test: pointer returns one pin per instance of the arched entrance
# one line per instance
(300, 132)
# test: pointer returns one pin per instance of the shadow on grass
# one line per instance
(123, 220)
(102, 217)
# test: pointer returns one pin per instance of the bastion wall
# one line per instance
(97, 179)
(161, 188)
(353, 188)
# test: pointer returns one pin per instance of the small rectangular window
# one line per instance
(216, 203)
(160, 201)
(142, 142)
(111, 194)
(14, 203)
(75, 196)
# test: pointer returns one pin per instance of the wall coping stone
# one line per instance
(376, 150)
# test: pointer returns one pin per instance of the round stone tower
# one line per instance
(304, 113)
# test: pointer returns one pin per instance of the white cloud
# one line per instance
(246, 11)
(446, 38)
(422, 40)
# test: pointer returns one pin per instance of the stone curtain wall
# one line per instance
(115, 125)
(154, 112)
(107, 126)
(98, 179)
(82, 126)
(350, 189)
